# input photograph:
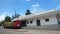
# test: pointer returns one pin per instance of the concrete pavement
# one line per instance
(44, 27)
(27, 31)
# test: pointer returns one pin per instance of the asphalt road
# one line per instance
(26, 31)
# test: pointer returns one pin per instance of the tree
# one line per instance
(28, 12)
(1, 23)
(7, 19)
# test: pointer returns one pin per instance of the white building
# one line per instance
(43, 18)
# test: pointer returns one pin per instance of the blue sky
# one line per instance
(7, 7)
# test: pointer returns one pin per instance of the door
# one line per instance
(23, 23)
(58, 22)
(38, 22)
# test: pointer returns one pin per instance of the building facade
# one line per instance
(42, 21)
(38, 19)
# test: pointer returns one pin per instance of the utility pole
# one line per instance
(15, 13)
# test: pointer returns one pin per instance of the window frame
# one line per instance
(47, 19)
(31, 22)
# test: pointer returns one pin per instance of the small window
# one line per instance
(47, 20)
(30, 21)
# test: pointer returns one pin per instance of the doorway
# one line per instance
(23, 23)
(38, 22)
(58, 22)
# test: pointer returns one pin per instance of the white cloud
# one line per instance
(2, 17)
(35, 5)
(58, 7)
(27, 0)
(36, 9)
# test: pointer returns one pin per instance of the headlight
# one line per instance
(18, 25)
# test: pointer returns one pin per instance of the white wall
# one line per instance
(31, 24)
(52, 20)
(59, 19)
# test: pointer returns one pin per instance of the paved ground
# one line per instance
(29, 31)
(44, 27)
